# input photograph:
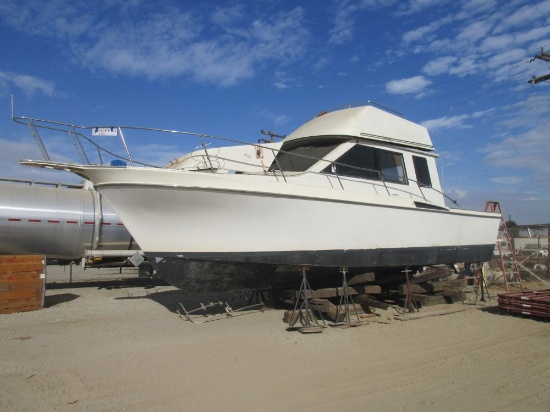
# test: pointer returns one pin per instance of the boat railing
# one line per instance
(280, 173)
(362, 103)
(77, 136)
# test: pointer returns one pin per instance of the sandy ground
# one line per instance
(125, 348)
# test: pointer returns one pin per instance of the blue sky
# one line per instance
(232, 68)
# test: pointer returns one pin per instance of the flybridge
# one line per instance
(367, 122)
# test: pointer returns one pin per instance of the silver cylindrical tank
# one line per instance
(57, 221)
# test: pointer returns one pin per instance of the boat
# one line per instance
(354, 188)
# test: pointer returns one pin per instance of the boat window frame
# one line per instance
(321, 146)
(422, 171)
(375, 172)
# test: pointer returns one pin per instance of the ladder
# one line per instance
(511, 273)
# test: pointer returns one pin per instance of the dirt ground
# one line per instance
(125, 348)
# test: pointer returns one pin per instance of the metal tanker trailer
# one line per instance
(61, 221)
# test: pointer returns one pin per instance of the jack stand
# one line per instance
(303, 312)
(481, 283)
(409, 304)
(345, 301)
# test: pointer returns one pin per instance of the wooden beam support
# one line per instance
(431, 287)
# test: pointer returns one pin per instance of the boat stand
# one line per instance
(480, 283)
(229, 312)
(345, 300)
(302, 311)
(409, 304)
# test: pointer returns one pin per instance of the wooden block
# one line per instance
(338, 313)
(458, 294)
(13, 305)
(21, 309)
(27, 284)
(321, 305)
(337, 292)
(21, 263)
(21, 283)
(362, 278)
(430, 287)
(334, 312)
(21, 294)
(428, 300)
(453, 296)
(287, 316)
(432, 272)
(366, 302)
(298, 315)
(14, 277)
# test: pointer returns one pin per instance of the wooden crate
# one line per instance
(22, 283)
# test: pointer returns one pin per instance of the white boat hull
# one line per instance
(219, 233)
(235, 226)
(205, 224)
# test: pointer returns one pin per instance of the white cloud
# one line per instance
(454, 122)
(465, 66)
(507, 180)
(446, 122)
(536, 33)
(449, 158)
(439, 66)
(474, 31)
(526, 113)
(476, 6)
(529, 151)
(496, 43)
(457, 193)
(423, 33)
(226, 16)
(416, 6)
(345, 15)
(411, 85)
(525, 15)
(276, 120)
(283, 81)
(14, 151)
(27, 84)
(344, 21)
(165, 42)
(419, 33)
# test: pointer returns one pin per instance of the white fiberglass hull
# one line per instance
(251, 227)
(241, 222)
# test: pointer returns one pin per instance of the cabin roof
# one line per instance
(366, 122)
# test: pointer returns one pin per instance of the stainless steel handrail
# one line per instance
(71, 129)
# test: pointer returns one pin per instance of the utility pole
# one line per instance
(542, 56)
(271, 135)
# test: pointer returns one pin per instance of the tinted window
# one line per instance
(369, 163)
(422, 171)
(300, 156)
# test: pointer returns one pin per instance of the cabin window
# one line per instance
(422, 171)
(367, 162)
(298, 156)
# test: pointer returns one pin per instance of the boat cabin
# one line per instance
(400, 161)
